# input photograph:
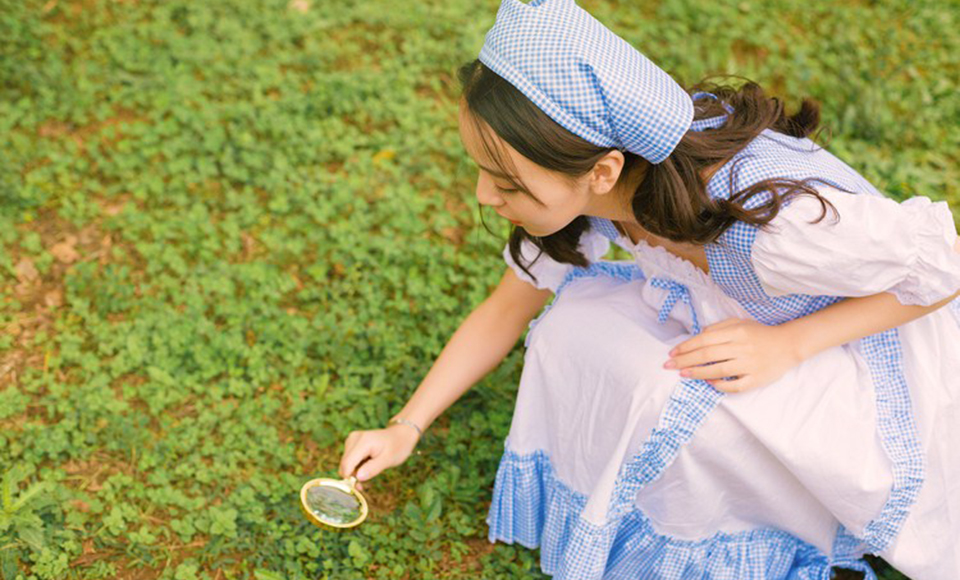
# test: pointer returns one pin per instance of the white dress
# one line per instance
(761, 488)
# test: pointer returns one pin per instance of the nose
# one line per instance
(486, 194)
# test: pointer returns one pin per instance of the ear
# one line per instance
(606, 172)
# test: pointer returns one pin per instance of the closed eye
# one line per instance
(524, 191)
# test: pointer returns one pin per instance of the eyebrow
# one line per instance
(492, 172)
(502, 175)
(495, 173)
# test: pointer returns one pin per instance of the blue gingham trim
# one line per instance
(532, 507)
(770, 155)
(605, 227)
(586, 78)
(625, 271)
(689, 404)
(848, 551)
(900, 438)
(688, 407)
(677, 292)
(773, 155)
(711, 122)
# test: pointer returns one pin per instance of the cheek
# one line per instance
(564, 204)
(554, 216)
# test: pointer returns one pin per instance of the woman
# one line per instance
(764, 391)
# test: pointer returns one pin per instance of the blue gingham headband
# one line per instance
(586, 78)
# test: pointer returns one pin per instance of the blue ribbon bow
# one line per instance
(677, 292)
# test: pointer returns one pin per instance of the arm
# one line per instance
(758, 355)
(852, 319)
(478, 345)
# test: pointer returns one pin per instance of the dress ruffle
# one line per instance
(533, 508)
(550, 273)
(878, 245)
(935, 273)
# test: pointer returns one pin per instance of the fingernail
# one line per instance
(362, 475)
(673, 352)
(670, 365)
(684, 373)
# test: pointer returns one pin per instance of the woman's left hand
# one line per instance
(751, 354)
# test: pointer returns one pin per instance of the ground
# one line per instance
(232, 232)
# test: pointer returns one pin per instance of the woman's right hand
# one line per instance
(381, 448)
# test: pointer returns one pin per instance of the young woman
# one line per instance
(767, 390)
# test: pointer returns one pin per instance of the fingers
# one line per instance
(738, 385)
(705, 355)
(373, 467)
(705, 338)
(357, 448)
(714, 371)
(344, 470)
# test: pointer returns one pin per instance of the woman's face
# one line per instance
(550, 201)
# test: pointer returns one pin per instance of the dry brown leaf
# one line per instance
(53, 298)
(82, 506)
(301, 6)
(64, 252)
(26, 271)
(114, 209)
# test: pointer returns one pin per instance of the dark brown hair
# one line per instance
(671, 200)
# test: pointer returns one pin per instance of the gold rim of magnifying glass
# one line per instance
(345, 485)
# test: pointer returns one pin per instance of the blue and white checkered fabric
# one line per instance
(774, 155)
(712, 122)
(586, 78)
(533, 507)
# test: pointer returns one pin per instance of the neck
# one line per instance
(617, 204)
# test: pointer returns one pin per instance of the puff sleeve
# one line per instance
(549, 272)
(877, 245)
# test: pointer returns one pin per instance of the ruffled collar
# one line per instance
(664, 261)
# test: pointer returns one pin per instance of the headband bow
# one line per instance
(586, 78)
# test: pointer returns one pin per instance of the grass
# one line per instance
(232, 232)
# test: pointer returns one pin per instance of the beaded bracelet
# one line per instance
(405, 422)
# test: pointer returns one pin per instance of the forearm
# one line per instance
(852, 319)
(478, 345)
(855, 318)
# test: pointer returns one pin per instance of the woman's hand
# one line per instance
(745, 352)
(381, 448)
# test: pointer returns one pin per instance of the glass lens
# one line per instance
(332, 505)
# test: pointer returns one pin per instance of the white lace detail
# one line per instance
(657, 261)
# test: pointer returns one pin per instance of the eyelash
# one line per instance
(526, 193)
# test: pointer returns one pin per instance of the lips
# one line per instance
(514, 222)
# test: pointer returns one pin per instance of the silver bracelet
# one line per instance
(405, 422)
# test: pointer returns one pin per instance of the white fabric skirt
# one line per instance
(776, 482)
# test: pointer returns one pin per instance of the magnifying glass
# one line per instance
(334, 502)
